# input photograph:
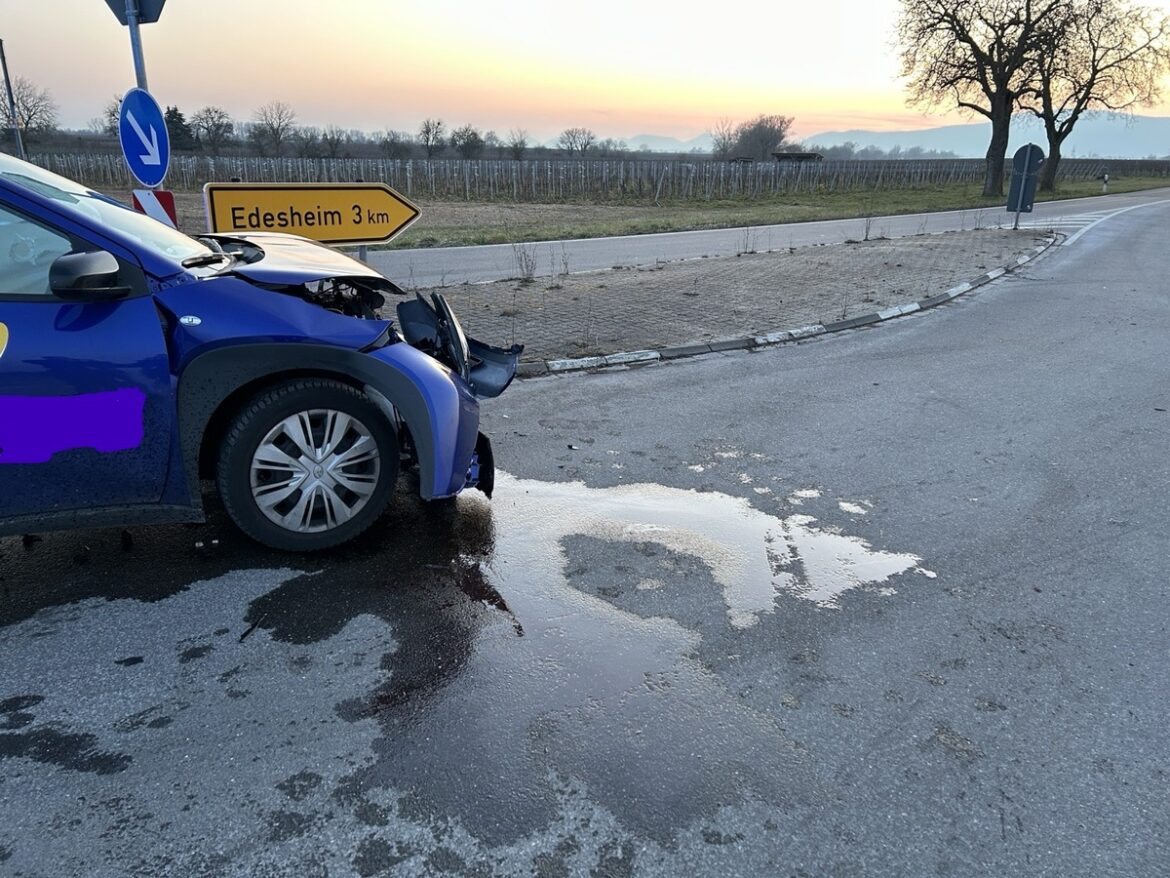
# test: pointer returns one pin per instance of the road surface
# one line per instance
(887, 603)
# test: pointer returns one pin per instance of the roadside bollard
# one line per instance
(1104, 183)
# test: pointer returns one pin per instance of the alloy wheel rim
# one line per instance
(315, 470)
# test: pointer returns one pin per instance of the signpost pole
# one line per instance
(11, 105)
(136, 43)
(1023, 187)
(1026, 164)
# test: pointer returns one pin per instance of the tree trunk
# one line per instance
(1001, 121)
(1048, 172)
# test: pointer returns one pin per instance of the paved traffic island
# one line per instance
(671, 309)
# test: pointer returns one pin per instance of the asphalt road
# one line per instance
(441, 266)
(887, 603)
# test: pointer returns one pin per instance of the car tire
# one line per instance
(307, 465)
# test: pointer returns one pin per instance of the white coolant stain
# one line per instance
(697, 468)
(753, 556)
(728, 455)
(834, 563)
(852, 508)
(806, 494)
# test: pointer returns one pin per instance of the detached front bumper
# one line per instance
(482, 472)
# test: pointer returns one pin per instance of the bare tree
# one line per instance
(396, 144)
(431, 136)
(111, 113)
(517, 142)
(1095, 55)
(975, 55)
(36, 111)
(467, 141)
(213, 127)
(306, 141)
(611, 147)
(722, 138)
(762, 136)
(333, 138)
(491, 141)
(576, 140)
(274, 124)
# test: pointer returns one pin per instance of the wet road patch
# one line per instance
(475, 695)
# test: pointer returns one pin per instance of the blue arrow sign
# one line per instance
(143, 135)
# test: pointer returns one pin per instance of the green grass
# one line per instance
(543, 222)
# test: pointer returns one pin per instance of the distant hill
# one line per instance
(657, 143)
(1093, 137)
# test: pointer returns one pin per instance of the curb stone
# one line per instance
(781, 336)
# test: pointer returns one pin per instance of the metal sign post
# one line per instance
(1026, 164)
(132, 13)
(136, 43)
(12, 105)
(142, 129)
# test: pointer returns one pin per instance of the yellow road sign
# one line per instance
(332, 213)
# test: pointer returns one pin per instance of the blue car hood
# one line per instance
(289, 259)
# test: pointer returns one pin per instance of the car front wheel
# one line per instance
(307, 465)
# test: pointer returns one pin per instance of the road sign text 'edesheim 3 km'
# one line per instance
(332, 213)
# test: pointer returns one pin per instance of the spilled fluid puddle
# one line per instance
(362, 679)
(754, 557)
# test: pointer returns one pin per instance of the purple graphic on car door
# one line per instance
(34, 428)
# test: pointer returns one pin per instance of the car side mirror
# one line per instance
(89, 276)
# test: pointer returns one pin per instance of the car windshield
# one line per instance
(150, 233)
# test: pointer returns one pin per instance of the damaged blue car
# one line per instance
(138, 362)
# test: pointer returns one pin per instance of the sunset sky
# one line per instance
(619, 67)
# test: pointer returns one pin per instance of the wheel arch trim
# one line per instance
(216, 378)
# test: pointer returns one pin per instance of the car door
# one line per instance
(86, 401)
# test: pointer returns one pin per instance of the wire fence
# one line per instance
(544, 181)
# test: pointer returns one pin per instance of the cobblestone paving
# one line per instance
(701, 300)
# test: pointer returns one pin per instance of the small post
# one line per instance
(136, 43)
(12, 105)
(363, 253)
(1105, 183)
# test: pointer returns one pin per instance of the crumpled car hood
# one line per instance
(289, 259)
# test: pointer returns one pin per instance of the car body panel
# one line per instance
(491, 369)
(229, 310)
(289, 259)
(87, 405)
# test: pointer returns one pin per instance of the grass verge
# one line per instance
(452, 225)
